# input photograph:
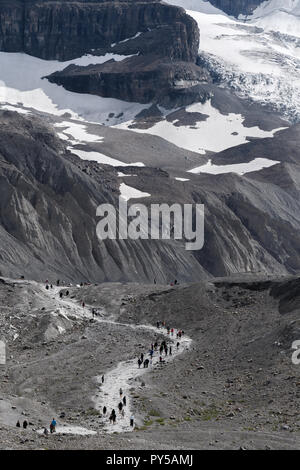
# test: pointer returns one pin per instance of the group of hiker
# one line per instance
(45, 431)
(121, 407)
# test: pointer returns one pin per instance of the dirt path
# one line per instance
(124, 374)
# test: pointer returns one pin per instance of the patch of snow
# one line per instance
(127, 192)
(216, 133)
(182, 179)
(101, 158)
(239, 168)
(78, 131)
(125, 40)
(70, 429)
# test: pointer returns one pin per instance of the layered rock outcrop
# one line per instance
(67, 29)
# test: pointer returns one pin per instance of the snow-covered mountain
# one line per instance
(258, 56)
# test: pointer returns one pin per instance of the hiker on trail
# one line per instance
(172, 331)
(146, 363)
(60, 294)
(114, 419)
(45, 432)
(121, 392)
(113, 412)
(158, 324)
(152, 346)
(140, 363)
(155, 345)
(120, 406)
(67, 293)
(154, 281)
(110, 418)
(83, 304)
(175, 282)
(47, 287)
(182, 332)
(18, 424)
(124, 401)
(178, 344)
(170, 350)
(104, 410)
(142, 357)
(151, 352)
(53, 426)
(131, 421)
(102, 379)
(161, 348)
(25, 424)
(57, 282)
(166, 350)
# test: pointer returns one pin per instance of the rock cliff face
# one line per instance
(144, 79)
(237, 7)
(64, 29)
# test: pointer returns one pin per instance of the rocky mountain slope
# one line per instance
(235, 388)
(48, 213)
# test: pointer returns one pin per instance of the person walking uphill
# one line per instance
(53, 426)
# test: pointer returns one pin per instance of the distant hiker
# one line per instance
(139, 363)
(45, 432)
(121, 392)
(151, 352)
(47, 287)
(57, 282)
(175, 282)
(104, 410)
(53, 426)
(113, 412)
(110, 418)
(18, 424)
(155, 346)
(25, 424)
(51, 286)
(67, 293)
(124, 401)
(170, 350)
(154, 281)
(102, 379)
(146, 363)
(83, 304)
(142, 357)
(182, 332)
(60, 294)
(120, 406)
(131, 421)
(158, 324)
(172, 331)
(178, 344)
(114, 419)
(161, 348)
